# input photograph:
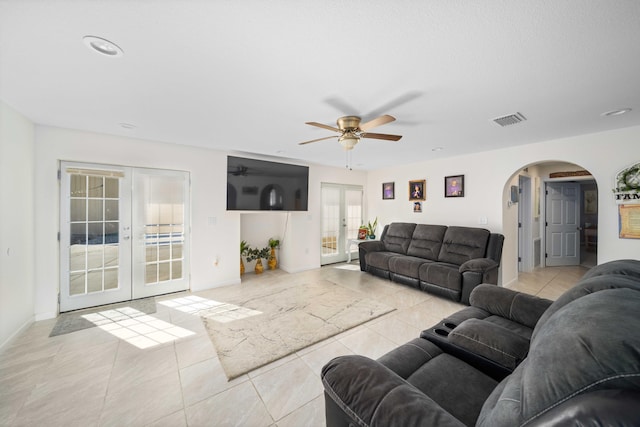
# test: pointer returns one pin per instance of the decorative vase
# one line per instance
(273, 262)
(372, 236)
(241, 266)
(259, 268)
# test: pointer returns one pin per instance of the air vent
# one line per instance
(511, 119)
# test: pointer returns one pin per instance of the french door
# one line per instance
(341, 217)
(123, 234)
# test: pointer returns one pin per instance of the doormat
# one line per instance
(83, 319)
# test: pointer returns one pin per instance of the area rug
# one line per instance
(82, 319)
(269, 322)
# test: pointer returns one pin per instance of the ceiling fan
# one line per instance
(350, 130)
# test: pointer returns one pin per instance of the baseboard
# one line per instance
(18, 331)
(509, 283)
(215, 285)
(45, 316)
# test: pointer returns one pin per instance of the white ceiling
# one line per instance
(246, 75)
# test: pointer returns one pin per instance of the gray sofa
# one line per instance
(446, 261)
(581, 364)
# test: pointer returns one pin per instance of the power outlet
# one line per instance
(483, 220)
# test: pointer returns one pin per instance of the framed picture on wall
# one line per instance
(417, 207)
(591, 202)
(454, 186)
(417, 190)
(388, 190)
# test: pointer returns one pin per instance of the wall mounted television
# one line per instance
(260, 185)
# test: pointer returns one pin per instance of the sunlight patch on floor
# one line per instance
(219, 311)
(348, 267)
(137, 328)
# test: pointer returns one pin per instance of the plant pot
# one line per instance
(259, 267)
(273, 262)
(241, 266)
(372, 236)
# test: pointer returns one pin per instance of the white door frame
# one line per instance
(525, 233)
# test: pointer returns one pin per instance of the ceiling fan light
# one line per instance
(348, 141)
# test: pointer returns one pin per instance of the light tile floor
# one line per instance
(92, 378)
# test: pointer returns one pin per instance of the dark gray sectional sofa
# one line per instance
(446, 261)
(509, 359)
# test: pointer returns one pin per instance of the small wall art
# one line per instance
(417, 190)
(388, 190)
(417, 207)
(454, 186)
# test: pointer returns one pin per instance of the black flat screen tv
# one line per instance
(259, 185)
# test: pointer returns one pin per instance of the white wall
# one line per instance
(299, 232)
(214, 230)
(16, 223)
(216, 233)
(488, 176)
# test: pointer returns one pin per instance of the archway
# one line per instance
(525, 223)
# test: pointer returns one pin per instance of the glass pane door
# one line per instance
(160, 223)
(94, 238)
(341, 217)
(124, 234)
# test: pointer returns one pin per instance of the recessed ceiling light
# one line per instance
(127, 126)
(616, 112)
(103, 46)
(437, 149)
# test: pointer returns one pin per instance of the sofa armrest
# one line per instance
(516, 306)
(371, 246)
(366, 247)
(479, 265)
(491, 341)
(372, 395)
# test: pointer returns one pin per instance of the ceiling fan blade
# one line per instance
(378, 121)
(384, 136)
(316, 140)
(320, 125)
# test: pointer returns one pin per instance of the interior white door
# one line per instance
(95, 229)
(124, 234)
(342, 212)
(562, 223)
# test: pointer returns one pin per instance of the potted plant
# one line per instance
(257, 255)
(362, 232)
(244, 248)
(273, 262)
(371, 228)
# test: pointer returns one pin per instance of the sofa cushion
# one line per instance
(625, 267)
(461, 244)
(456, 386)
(398, 237)
(426, 241)
(441, 274)
(586, 346)
(406, 265)
(380, 259)
(587, 287)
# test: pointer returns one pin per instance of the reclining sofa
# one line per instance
(509, 359)
(446, 261)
